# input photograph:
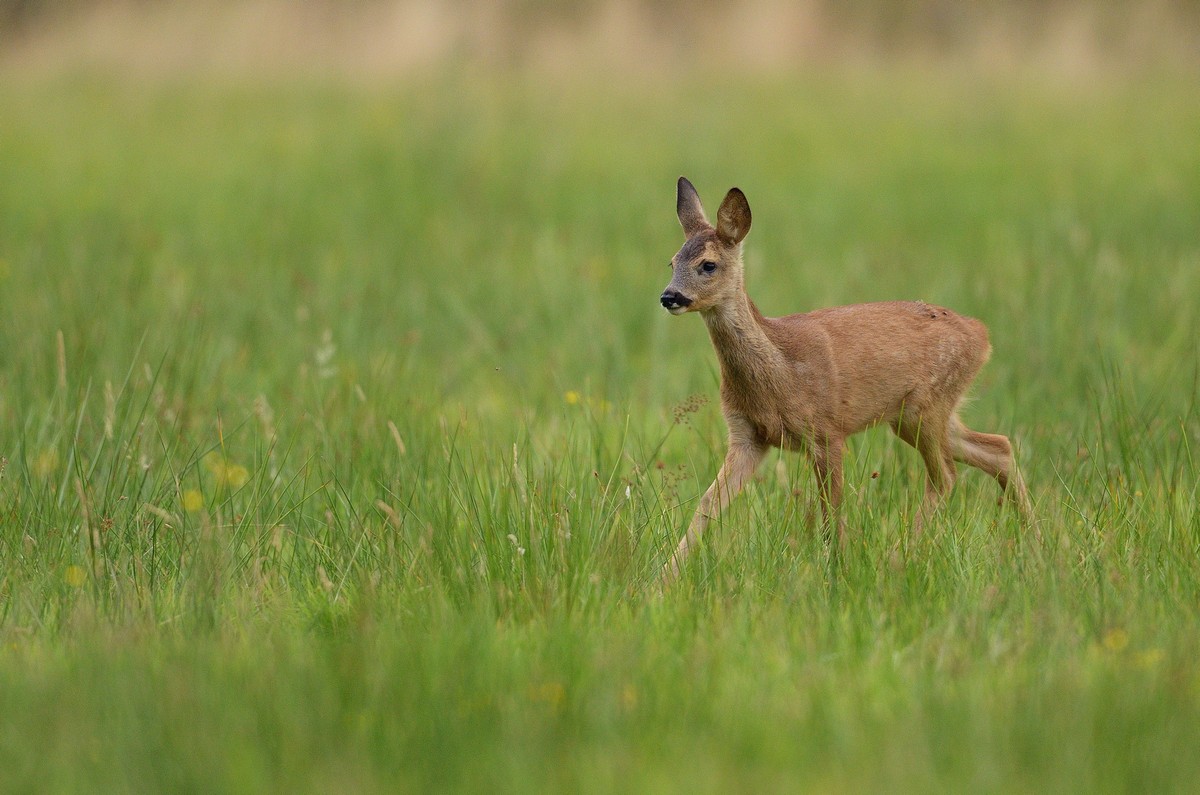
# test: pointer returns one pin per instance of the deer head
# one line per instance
(707, 270)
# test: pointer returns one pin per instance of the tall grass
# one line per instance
(342, 438)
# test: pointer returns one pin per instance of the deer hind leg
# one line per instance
(740, 462)
(993, 454)
(931, 438)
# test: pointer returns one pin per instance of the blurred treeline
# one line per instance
(391, 34)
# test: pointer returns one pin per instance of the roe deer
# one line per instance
(808, 381)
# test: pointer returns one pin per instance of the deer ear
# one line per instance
(733, 218)
(689, 209)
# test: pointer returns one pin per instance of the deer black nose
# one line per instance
(673, 298)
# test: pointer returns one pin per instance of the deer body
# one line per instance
(808, 381)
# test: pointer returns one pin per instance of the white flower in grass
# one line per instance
(323, 356)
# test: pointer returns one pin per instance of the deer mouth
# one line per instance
(675, 302)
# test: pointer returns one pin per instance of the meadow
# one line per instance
(343, 437)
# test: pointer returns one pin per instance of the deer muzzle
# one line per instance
(674, 301)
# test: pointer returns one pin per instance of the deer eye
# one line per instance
(708, 267)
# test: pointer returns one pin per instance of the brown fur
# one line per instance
(808, 381)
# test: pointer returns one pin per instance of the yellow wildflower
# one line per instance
(572, 397)
(46, 463)
(192, 500)
(1115, 640)
(236, 475)
(75, 576)
(226, 473)
(214, 462)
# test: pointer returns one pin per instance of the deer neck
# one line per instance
(749, 360)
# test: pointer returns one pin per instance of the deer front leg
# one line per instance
(740, 462)
(827, 463)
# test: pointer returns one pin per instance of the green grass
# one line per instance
(343, 435)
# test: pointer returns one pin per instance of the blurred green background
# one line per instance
(341, 433)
